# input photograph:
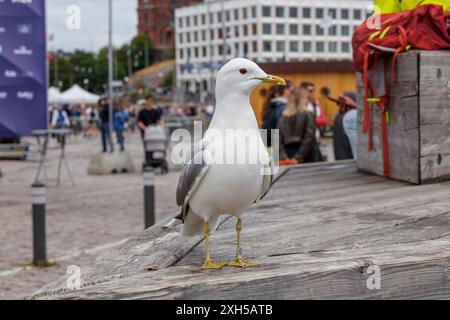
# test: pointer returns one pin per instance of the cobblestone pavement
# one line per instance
(99, 211)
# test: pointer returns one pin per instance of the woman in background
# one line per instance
(297, 131)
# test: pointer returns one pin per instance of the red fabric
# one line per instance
(425, 29)
(422, 28)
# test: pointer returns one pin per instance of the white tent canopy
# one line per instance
(76, 94)
(53, 95)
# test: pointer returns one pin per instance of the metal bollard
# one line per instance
(149, 197)
(39, 246)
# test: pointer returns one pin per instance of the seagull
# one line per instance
(213, 182)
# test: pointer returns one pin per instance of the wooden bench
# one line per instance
(321, 233)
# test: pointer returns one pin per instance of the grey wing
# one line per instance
(190, 178)
(267, 181)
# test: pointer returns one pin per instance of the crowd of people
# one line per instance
(296, 112)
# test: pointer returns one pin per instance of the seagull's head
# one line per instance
(243, 75)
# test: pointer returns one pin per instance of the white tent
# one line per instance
(76, 94)
(53, 95)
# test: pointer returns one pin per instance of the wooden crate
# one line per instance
(419, 128)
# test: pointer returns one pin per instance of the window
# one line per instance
(279, 12)
(332, 46)
(345, 14)
(345, 47)
(180, 22)
(204, 51)
(181, 54)
(220, 33)
(188, 37)
(195, 37)
(266, 11)
(195, 20)
(245, 49)
(319, 31)
(293, 12)
(245, 30)
(267, 28)
(211, 18)
(293, 29)
(357, 14)
(332, 31)
(320, 46)
(293, 46)
(255, 46)
(220, 51)
(332, 13)
(267, 46)
(204, 35)
(319, 13)
(180, 38)
(244, 13)
(196, 52)
(211, 34)
(227, 15)
(236, 31)
(254, 29)
(307, 46)
(236, 14)
(254, 11)
(306, 29)
(188, 21)
(280, 28)
(345, 30)
(203, 19)
(219, 16)
(306, 12)
(280, 46)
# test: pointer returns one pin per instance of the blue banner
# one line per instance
(23, 87)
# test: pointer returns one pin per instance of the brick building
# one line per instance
(156, 19)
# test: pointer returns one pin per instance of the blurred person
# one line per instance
(120, 120)
(350, 121)
(148, 116)
(275, 104)
(341, 143)
(297, 131)
(60, 118)
(315, 108)
(104, 125)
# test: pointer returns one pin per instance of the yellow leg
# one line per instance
(209, 264)
(238, 260)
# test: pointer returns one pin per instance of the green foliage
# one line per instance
(90, 70)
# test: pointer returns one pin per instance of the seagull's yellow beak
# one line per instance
(273, 79)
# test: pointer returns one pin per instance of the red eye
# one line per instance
(243, 71)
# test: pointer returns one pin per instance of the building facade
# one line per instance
(264, 31)
(156, 19)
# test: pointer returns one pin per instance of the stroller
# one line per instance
(155, 142)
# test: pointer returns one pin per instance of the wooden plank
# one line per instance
(403, 129)
(312, 242)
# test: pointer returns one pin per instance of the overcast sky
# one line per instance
(93, 32)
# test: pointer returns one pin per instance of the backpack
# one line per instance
(425, 28)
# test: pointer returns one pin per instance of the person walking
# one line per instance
(120, 120)
(297, 131)
(104, 125)
(148, 116)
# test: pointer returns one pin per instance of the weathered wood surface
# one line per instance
(419, 131)
(315, 236)
(435, 115)
(403, 130)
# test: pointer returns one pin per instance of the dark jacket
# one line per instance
(341, 144)
(299, 130)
